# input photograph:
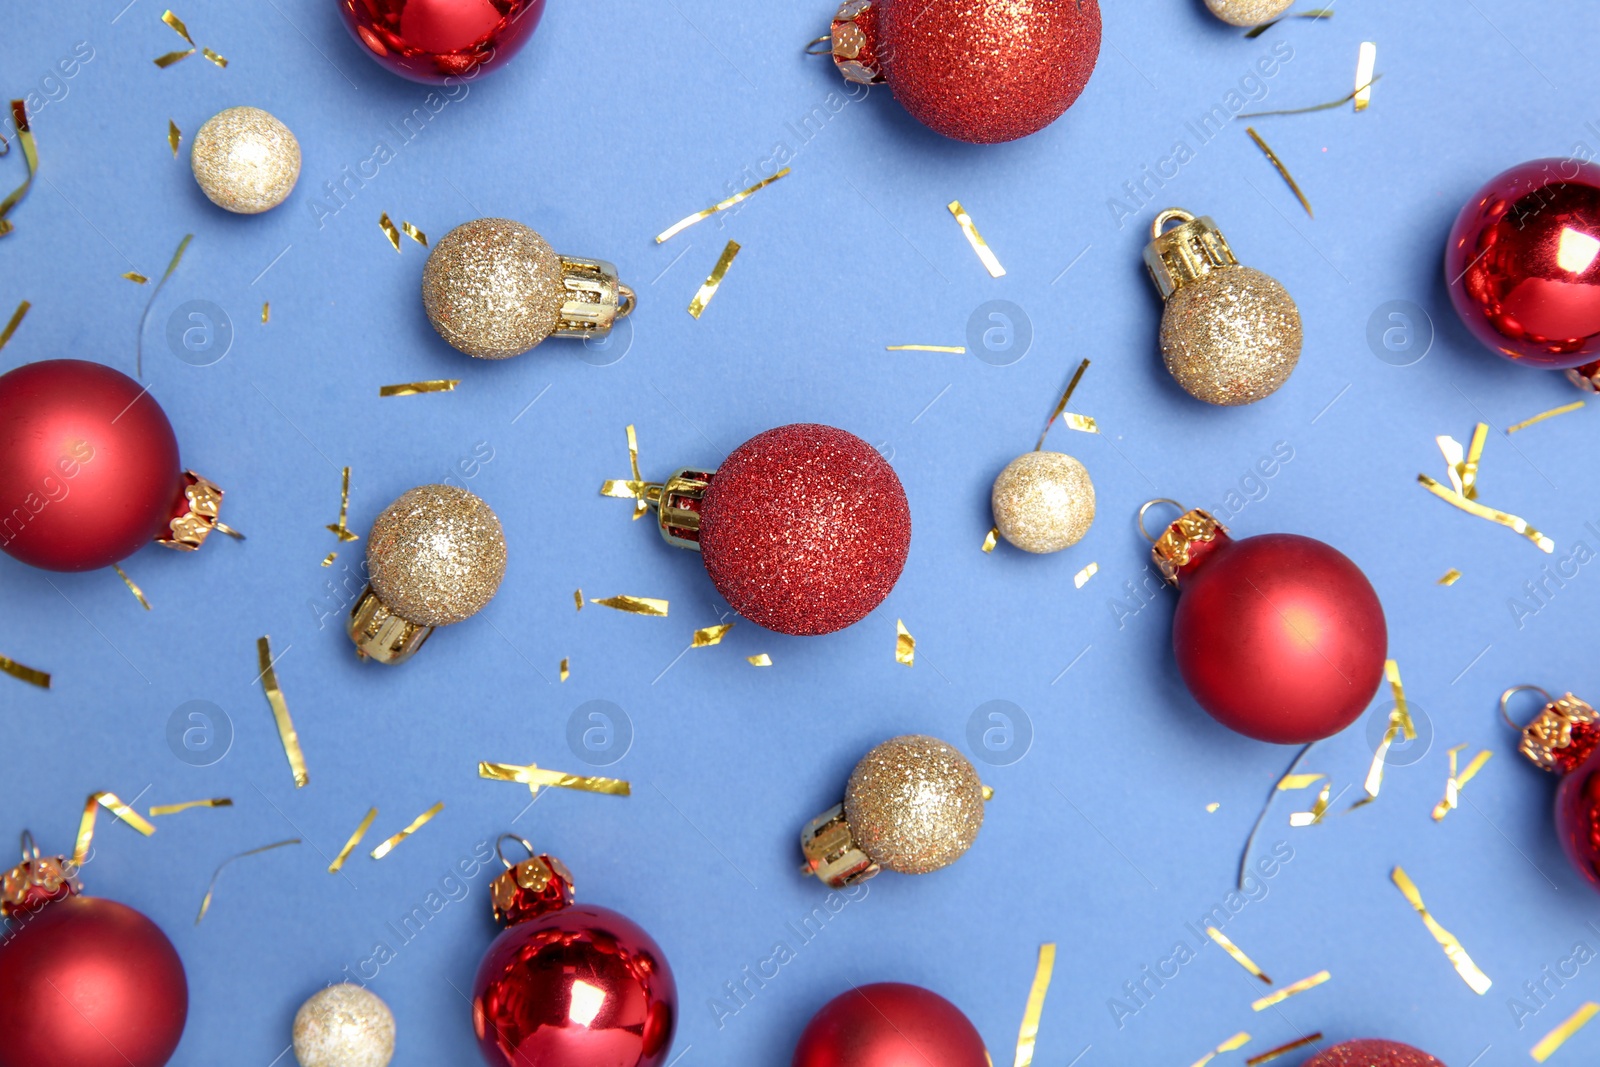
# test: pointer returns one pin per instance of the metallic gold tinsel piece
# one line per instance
(30, 155)
(1081, 423)
(174, 137)
(24, 673)
(386, 224)
(91, 807)
(1472, 507)
(1469, 466)
(566, 668)
(1552, 413)
(280, 714)
(15, 321)
(1391, 671)
(1330, 105)
(1028, 1033)
(1272, 157)
(135, 277)
(412, 827)
(905, 646)
(327, 561)
(172, 265)
(969, 229)
(215, 58)
(732, 201)
(355, 839)
(1549, 1043)
(1061, 405)
(1211, 808)
(1283, 1050)
(1318, 810)
(1237, 1041)
(1298, 781)
(639, 506)
(266, 312)
(170, 58)
(1452, 785)
(1309, 13)
(435, 385)
(132, 588)
(205, 904)
(759, 660)
(1081, 579)
(340, 529)
(1469, 972)
(1449, 578)
(1237, 953)
(713, 282)
(1374, 781)
(710, 635)
(1366, 59)
(173, 809)
(577, 599)
(991, 539)
(533, 776)
(177, 26)
(954, 350)
(635, 605)
(414, 233)
(1278, 996)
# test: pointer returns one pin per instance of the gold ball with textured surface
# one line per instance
(245, 160)
(914, 804)
(493, 288)
(436, 555)
(1248, 12)
(1043, 502)
(344, 1026)
(1231, 336)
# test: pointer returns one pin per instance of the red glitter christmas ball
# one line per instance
(1373, 1052)
(435, 40)
(805, 529)
(890, 1024)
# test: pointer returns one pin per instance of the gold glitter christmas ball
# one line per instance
(1043, 502)
(493, 288)
(436, 555)
(245, 160)
(1248, 12)
(344, 1026)
(914, 804)
(1231, 336)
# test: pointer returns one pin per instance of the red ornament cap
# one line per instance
(1372, 1052)
(1562, 736)
(537, 886)
(36, 881)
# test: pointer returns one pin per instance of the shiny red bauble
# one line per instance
(90, 983)
(1372, 1052)
(1564, 739)
(1523, 263)
(890, 1024)
(1578, 817)
(439, 40)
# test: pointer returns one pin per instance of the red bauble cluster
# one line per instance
(435, 40)
(890, 1024)
(1372, 1052)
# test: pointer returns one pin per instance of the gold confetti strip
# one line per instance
(389, 230)
(416, 824)
(340, 529)
(1472, 507)
(16, 320)
(1272, 157)
(954, 350)
(1237, 1041)
(355, 839)
(710, 635)
(1450, 577)
(174, 137)
(635, 605)
(1469, 466)
(172, 265)
(1309, 13)
(205, 904)
(435, 385)
(1318, 810)
(1283, 1050)
(30, 154)
(1278, 996)
(1469, 972)
(1061, 405)
(634, 489)
(566, 670)
(1028, 1032)
(1211, 808)
(1298, 781)
(1552, 413)
(135, 277)
(177, 26)
(414, 233)
(266, 312)
(1366, 59)
(327, 561)
(905, 646)
(91, 807)
(1454, 460)
(1081, 579)
(134, 589)
(172, 809)
(1452, 786)
(1237, 953)
(697, 306)
(1391, 671)
(1329, 106)
(577, 599)
(759, 660)
(218, 60)
(1081, 423)
(700, 216)
(533, 776)
(988, 793)
(1552, 1041)
(280, 713)
(24, 673)
(1374, 780)
(990, 262)
(172, 57)
(991, 539)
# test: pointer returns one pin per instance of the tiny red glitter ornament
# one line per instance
(437, 40)
(890, 1024)
(1372, 1052)
(1564, 738)
(568, 985)
(1279, 637)
(1523, 263)
(980, 71)
(89, 469)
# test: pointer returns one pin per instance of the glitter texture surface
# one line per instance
(914, 804)
(493, 288)
(245, 160)
(1043, 502)
(344, 1026)
(984, 71)
(1248, 12)
(1231, 337)
(805, 529)
(436, 555)
(1370, 1052)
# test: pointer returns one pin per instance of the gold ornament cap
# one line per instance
(195, 514)
(1561, 736)
(1184, 541)
(677, 503)
(852, 40)
(1185, 253)
(379, 634)
(536, 886)
(1586, 377)
(36, 881)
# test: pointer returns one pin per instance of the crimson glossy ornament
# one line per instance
(890, 1024)
(1523, 263)
(83, 981)
(980, 71)
(437, 40)
(1564, 739)
(804, 529)
(89, 470)
(1279, 637)
(568, 985)
(1372, 1052)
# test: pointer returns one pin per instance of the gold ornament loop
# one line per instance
(30, 847)
(499, 848)
(1150, 504)
(1171, 214)
(1513, 691)
(626, 300)
(826, 41)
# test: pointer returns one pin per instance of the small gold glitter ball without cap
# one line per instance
(1231, 337)
(1043, 502)
(1248, 12)
(344, 1026)
(436, 555)
(914, 804)
(493, 288)
(245, 160)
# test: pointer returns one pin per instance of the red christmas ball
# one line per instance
(1577, 814)
(89, 468)
(890, 1024)
(436, 40)
(805, 529)
(1523, 263)
(1372, 1052)
(91, 983)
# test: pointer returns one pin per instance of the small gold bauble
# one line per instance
(914, 804)
(344, 1026)
(1043, 502)
(1248, 12)
(245, 160)
(493, 288)
(436, 555)
(1231, 336)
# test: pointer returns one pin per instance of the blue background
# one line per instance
(617, 120)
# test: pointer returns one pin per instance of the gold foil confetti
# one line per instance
(1552, 413)
(91, 807)
(205, 904)
(174, 137)
(218, 60)
(327, 561)
(905, 646)
(1061, 405)
(15, 321)
(1366, 59)
(1283, 1050)
(24, 673)
(1549, 1043)
(1237, 1041)
(1278, 996)
(1298, 781)
(172, 265)
(170, 58)
(1237, 953)
(1028, 1032)
(1081, 423)
(697, 306)
(412, 827)
(634, 489)
(1272, 157)
(1454, 460)
(1318, 810)
(266, 313)
(1449, 578)
(566, 668)
(635, 605)
(355, 839)
(700, 216)
(280, 714)
(340, 529)
(1472, 507)
(30, 155)
(988, 793)
(135, 277)
(389, 229)
(991, 539)
(710, 635)
(954, 350)
(533, 776)
(414, 233)
(1081, 579)
(1452, 785)
(577, 599)
(1391, 671)
(177, 26)
(1309, 13)
(1469, 972)
(1211, 808)
(1329, 106)
(1374, 780)
(172, 809)
(132, 588)
(1469, 466)
(759, 660)
(970, 230)
(435, 385)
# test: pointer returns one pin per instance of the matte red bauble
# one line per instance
(1523, 263)
(89, 470)
(890, 1024)
(436, 40)
(1372, 1052)
(1564, 738)
(804, 529)
(1279, 637)
(568, 985)
(83, 981)
(980, 71)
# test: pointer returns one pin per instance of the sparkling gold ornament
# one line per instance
(913, 804)
(494, 289)
(245, 160)
(434, 557)
(344, 1026)
(1248, 12)
(1230, 334)
(1043, 502)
